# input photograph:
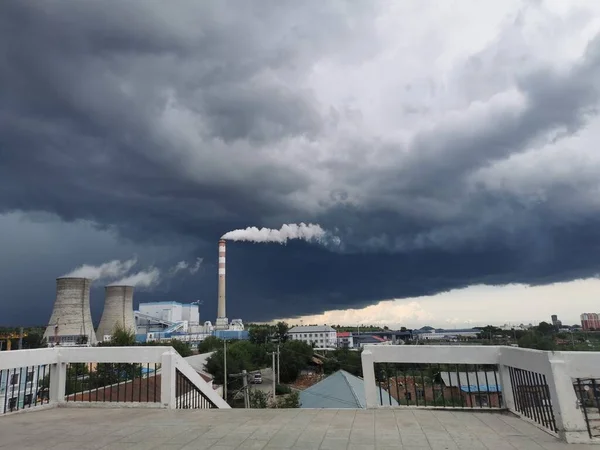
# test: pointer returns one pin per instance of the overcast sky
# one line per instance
(452, 146)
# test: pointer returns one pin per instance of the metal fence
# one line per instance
(24, 387)
(588, 394)
(439, 385)
(188, 396)
(532, 397)
(113, 382)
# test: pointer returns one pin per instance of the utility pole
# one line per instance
(278, 369)
(225, 370)
(274, 377)
(245, 384)
(244, 376)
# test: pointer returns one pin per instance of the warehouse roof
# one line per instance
(311, 329)
(339, 390)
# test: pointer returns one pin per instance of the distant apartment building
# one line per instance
(590, 321)
(319, 336)
(345, 339)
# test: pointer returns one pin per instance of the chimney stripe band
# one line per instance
(221, 270)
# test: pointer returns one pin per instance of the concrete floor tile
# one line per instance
(306, 446)
(334, 444)
(254, 444)
(94, 429)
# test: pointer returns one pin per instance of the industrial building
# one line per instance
(71, 319)
(158, 316)
(117, 313)
(319, 336)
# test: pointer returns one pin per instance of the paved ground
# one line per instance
(87, 428)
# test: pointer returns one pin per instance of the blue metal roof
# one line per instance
(481, 388)
(339, 390)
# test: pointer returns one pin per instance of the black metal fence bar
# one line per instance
(112, 382)
(531, 396)
(438, 385)
(23, 388)
(587, 391)
(188, 395)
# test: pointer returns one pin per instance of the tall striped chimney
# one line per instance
(221, 309)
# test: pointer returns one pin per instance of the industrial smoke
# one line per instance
(108, 270)
(184, 265)
(306, 232)
(142, 279)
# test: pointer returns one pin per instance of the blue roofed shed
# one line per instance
(339, 390)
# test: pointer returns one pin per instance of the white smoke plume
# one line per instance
(307, 232)
(108, 270)
(196, 266)
(183, 265)
(142, 279)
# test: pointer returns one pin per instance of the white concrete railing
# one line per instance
(57, 359)
(558, 369)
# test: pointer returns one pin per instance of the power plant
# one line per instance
(71, 319)
(118, 311)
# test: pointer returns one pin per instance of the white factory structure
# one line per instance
(71, 320)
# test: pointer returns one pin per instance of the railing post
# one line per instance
(507, 392)
(58, 380)
(570, 422)
(167, 380)
(369, 378)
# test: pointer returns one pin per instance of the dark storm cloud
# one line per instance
(176, 124)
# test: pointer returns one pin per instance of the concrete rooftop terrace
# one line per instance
(128, 428)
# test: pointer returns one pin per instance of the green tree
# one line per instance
(239, 357)
(546, 329)
(261, 334)
(258, 399)
(294, 356)
(210, 344)
(181, 347)
(281, 330)
(488, 332)
(536, 341)
(122, 337)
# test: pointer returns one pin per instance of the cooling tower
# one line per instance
(221, 306)
(71, 317)
(118, 311)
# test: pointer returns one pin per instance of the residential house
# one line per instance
(345, 339)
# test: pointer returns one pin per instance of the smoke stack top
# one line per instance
(306, 232)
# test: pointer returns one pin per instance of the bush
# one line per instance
(258, 399)
(281, 389)
(289, 401)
